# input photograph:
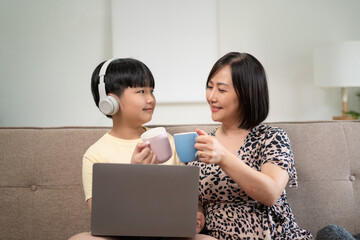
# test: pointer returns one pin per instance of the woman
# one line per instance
(244, 164)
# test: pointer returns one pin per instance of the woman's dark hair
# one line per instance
(121, 74)
(249, 80)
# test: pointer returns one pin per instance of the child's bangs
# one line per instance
(141, 81)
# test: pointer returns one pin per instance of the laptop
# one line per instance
(144, 200)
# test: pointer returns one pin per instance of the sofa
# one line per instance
(41, 194)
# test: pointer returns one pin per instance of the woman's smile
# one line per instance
(215, 108)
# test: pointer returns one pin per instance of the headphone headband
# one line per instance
(105, 66)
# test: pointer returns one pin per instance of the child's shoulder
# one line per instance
(109, 141)
(98, 143)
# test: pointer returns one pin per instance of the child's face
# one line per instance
(137, 105)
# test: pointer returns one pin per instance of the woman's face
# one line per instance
(222, 98)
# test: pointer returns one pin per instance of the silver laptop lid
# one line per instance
(144, 200)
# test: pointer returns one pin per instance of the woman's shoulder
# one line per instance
(267, 131)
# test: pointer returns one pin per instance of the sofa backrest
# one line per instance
(327, 160)
(41, 194)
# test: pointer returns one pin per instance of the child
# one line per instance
(123, 90)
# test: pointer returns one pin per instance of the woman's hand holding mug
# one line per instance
(210, 151)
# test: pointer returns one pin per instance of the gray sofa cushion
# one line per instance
(41, 194)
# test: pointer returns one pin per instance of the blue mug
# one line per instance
(184, 144)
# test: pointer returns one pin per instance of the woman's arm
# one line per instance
(265, 186)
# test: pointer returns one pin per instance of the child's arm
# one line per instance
(89, 204)
(143, 155)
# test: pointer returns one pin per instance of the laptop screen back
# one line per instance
(144, 200)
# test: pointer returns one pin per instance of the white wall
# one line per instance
(282, 34)
(49, 49)
(177, 45)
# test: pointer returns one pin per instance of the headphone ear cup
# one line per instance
(109, 105)
(115, 104)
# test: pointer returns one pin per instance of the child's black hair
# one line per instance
(121, 74)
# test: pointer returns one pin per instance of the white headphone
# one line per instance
(108, 105)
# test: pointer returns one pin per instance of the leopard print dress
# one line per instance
(230, 212)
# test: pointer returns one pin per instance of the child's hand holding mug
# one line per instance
(157, 140)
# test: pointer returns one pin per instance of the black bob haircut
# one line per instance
(121, 74)
(250, 84)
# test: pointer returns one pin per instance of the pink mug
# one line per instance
(159, 143)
